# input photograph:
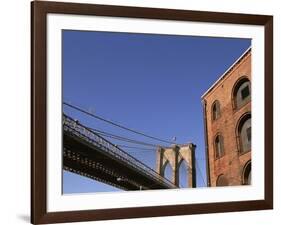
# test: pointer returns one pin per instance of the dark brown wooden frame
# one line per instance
(39, 11)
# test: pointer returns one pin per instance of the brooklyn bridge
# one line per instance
(87, 152)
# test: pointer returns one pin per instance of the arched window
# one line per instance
(216, 110)
(222, 181)
(241, 93)
(245, 133)
(247, 174)
(219, 150)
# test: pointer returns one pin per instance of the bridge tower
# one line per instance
(175, 155)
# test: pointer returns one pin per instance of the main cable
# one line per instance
(136, 147)
(120, 138)
(115, 124)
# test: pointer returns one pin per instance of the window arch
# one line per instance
(168, 171)
(216, 110)
(219, 147)
(221, 181)
(244, 133)
(247, 174)
(183, 169)
(241, 93)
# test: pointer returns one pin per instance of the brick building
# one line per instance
(227, 120)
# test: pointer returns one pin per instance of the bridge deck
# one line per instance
(88, 154)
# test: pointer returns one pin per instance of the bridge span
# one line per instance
(88, 154)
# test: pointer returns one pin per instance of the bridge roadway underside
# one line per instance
(87, 160)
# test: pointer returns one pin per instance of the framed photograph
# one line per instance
(144, 112)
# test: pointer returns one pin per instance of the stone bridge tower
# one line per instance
(175, 155)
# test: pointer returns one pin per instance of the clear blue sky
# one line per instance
(148, 82)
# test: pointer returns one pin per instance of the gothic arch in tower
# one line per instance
(175, 155)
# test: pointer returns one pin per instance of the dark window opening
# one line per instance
(216, 110)
(242, 93)
(248, 131)
(247, 175)
(222, 181)
(219, 147)
(245, 134)
(245, 92)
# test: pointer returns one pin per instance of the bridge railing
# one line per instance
(73, 126)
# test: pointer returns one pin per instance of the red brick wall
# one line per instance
(232, 163)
